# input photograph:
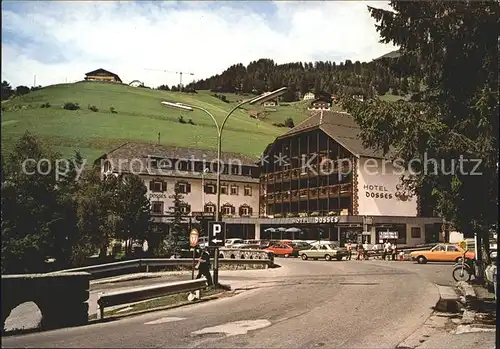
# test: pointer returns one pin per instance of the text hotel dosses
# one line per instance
(377, 192)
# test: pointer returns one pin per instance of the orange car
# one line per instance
(441, 253)
(282, 250)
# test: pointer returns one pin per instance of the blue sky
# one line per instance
(61, 41)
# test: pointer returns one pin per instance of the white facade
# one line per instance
(379, 190)
(308, 96)
(243, 197)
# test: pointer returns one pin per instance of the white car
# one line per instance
(233, 243)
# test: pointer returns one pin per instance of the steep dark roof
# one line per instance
(341, 127)
(140, 152)
(100, 70)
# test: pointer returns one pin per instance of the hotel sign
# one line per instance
(317, 220)
(157, 196)
(393, 235)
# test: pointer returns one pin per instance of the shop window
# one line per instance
(415, 233)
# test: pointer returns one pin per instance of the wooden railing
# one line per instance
(331, 191)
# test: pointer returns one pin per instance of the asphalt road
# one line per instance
(308, 304)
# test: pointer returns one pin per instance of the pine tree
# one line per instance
(178, 234)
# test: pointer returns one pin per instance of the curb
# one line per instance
(448, 300)
(470, 296)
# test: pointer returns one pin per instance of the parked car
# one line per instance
(441, 253)
(281, 250)
(250, 247)
(326, 251)
(232, 242)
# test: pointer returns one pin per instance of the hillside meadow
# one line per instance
(127, 113)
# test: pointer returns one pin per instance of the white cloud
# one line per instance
(61, 41)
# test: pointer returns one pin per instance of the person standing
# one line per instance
(387, 249)
(349, 250)
(365, 250)
(204, 266)
(359, 250)
(393, 250)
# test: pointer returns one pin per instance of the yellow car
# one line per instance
(441, 253)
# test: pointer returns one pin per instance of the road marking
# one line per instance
(164, 320)
(235, 328)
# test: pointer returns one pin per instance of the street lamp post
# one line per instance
(187, 107)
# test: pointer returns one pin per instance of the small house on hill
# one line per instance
(102, 75)
(309, 96)
(136, 83)
(322, 103)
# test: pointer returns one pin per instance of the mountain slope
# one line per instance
(139, 116)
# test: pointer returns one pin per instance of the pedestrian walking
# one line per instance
(365, 250)
(394, 250)
(375, 249)
(204, 266)
(387, 249)
(349, 250)
(359, 250)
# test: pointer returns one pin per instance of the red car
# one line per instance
(282, 250)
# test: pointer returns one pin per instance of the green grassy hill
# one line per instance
(139, 116)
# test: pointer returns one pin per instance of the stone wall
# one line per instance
(234, 253)
(61, 298)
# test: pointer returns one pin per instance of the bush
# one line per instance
(181, 120)
(190, 121)
(113, 110)
(289, 123)
(279, 124)
(93, 108)
(71, 106)
(45, 105)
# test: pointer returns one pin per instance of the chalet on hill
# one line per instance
(321, 103)
(308, 96)
(102, 75)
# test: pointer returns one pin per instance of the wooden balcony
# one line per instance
(332, 192)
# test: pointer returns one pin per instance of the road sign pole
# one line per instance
(216, 267)
(194, 263)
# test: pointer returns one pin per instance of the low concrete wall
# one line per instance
(235, 253)
(61, 298)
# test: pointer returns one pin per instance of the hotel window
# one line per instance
(157, 186)
(184, 188)
(245, 210)
(153, 163)
(248, 191)
(185, 208)
(223, 189)
(234, 190)
(415, 232)
(182, 165)
(210, 208)
(210, 188)
(228, 209)
(157, 207)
